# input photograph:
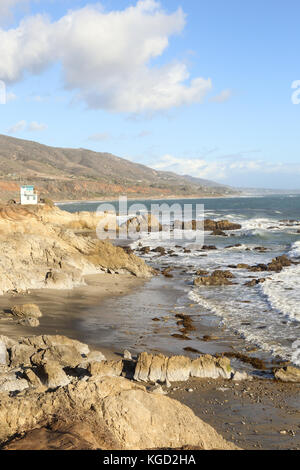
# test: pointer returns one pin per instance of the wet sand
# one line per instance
(64, 310)
(257, 415)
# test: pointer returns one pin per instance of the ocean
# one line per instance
(267, 315)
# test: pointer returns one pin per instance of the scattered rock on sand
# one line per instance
(27, 311)
(29, 321)
(288, 374)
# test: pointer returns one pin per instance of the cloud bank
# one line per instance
(226, 168)
(106, 57)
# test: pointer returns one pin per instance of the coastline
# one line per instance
(143, 198)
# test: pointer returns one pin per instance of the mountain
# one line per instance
(78, 174)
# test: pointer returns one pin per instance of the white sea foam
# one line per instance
(265, 330)
(282, 292)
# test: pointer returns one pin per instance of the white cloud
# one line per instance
(224, 169)
(106, 56)
(7, 7)
(23, 126)
(225, 95)
(99, 137)
(36, 127)
(18, 127)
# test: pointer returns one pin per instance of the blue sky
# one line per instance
(196, 87)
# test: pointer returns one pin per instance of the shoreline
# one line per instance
(171, 198)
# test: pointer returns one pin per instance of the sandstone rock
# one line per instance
(66, 356)
(95, 356)
(127, 355)
(68, 434)
(117, 407)
(210, 367)
(157, 390)
(48, 341)
(178, 369)
(288, 374)
(11, 383)
(26, 310)
(32, 378)
(9, 342)
(159, 368)
(22, 414)
(106, 368)
(20, 354)
(53, 375)
(49, 255)
(241, 376)
(143, 367)
(29, 321)
(140, 420)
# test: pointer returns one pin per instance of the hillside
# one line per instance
(64, 173)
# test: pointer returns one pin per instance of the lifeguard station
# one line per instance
(28, 195)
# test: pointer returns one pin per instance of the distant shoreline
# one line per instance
(171, 198)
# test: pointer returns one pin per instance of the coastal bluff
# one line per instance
(42, 248)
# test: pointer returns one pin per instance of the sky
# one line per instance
(206, 88)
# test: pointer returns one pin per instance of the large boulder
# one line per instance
(24, 413)
(141, 420)
(53, 375)
(133, 418)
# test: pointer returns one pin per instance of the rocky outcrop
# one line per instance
(153, 368)
(217, 278)
(223, 225)
(40, 250)
(218, 227)
(54, 396)
(141, 223)
(277, 265)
